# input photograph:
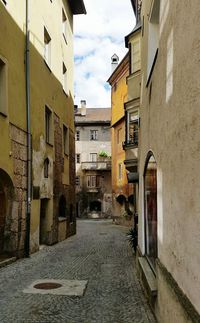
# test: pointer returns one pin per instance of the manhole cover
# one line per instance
(47, 286)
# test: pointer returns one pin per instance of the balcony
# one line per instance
(132, 142)
(97, 165)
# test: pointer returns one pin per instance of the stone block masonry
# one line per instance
(18, 221)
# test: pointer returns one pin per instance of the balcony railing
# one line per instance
(97, 165)
(132, 142)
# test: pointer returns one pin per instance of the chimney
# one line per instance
(83, 107)
(114, 62)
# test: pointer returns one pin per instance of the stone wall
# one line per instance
(59, 188)
(19, 155)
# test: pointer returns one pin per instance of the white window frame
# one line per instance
(65, 88)
(47, 47)
(93, 135)
(3, 87)
(64, 25)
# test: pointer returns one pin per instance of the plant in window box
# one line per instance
(103, 155)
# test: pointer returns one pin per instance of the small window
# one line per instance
(47, 47)
(3, 88)
(65, 140)
(93, 157)
(46, 168)
(77, 135)
(120, 171)
(64, 25)
(93, 181)
(4, 1)
(64, 78)
(77, 180)
(78, 158)
(135, 56)
(132, 128)
(48, 125)
(93, 134)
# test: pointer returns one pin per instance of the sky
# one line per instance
(99, 35)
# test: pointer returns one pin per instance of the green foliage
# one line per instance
(103, 153)
(133, 238)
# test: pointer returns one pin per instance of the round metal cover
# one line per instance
(47, 285)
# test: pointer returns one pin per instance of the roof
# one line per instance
(135, 29)
(94, 115)
(77, 7)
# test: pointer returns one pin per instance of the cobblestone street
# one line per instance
(100, 254)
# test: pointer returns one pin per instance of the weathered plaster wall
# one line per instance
(170, 128)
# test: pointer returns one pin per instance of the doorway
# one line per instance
(43, 220)
(2, 218)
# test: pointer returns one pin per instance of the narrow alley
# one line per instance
(99, 254)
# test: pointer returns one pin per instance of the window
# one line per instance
(3, 88)
(93, 181)
(4, 1)
(93, 157)
(47, 47)
(48, 125)
(135, 56)
(78, 158)
(46, 168)
(93, 134)
(120, 171)
(150, 207)
(132, 128)
(77, 135)
(153, 36)
(65, 140)
(77, 180)
(64, 25)
(64, 78)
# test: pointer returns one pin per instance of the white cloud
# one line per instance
(98, 35)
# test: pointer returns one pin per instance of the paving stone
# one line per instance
(113, 293)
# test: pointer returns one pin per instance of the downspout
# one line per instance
(28, 130)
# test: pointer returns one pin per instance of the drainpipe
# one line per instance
(28, 130)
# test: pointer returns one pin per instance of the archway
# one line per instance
(150, 207)
(62, 206)
(6, 202)
(95, 206)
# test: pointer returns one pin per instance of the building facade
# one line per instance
(168, 238)
(37, 195)
(122, 193)
(93, 162)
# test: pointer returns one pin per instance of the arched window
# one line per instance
(150, 207)
(46, 168)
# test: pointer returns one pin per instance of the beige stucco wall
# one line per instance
(170, 129)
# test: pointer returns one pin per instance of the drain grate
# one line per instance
(47, 285)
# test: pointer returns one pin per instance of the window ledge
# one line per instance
(3, 114)
(62, 219)
(49, 144)
(148, 279)
(47, 65)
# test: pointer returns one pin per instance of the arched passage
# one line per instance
(95, 206)
(150, 207)
(6, 202)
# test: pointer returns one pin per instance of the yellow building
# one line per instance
(37, 200)
(121, 190)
